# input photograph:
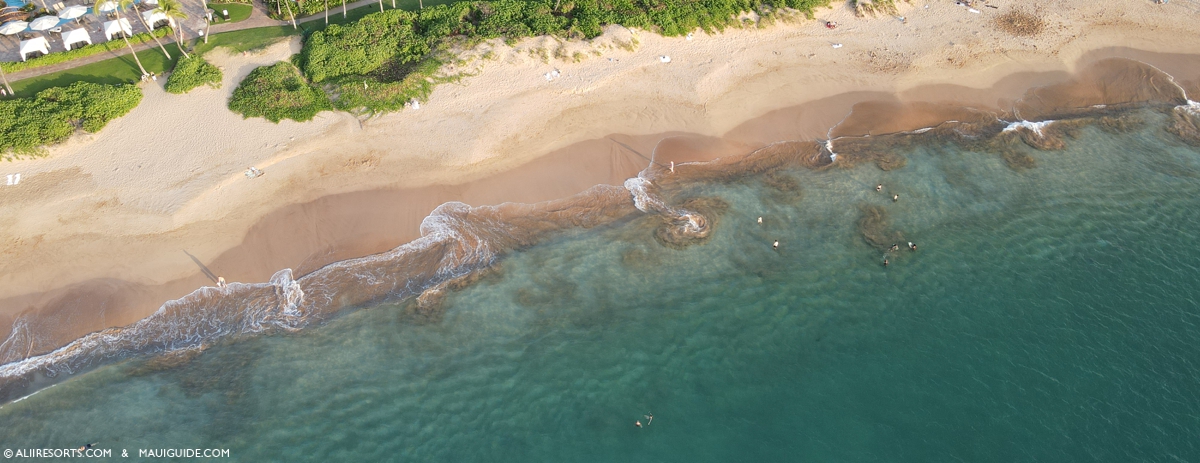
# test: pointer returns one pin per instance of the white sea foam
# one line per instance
(1192, 108)
(1035, 127)
(284, 303)
(645, 201)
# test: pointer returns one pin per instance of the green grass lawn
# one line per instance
(122, 69)
(237, 12)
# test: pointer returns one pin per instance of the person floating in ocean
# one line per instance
(895, 198)
(85, 447)
(760, 220)
(775, 246)
(649, 418)
(879, 187)
(637, 423)
(912, 246)
(895, 247)
(885, 262)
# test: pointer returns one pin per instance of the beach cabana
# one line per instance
(36, 44)
(154, 18)
(114, 28)
(76, 36)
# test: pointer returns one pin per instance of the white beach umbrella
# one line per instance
(72, 12)
(108, 7)
(13, 27)
(44, 22)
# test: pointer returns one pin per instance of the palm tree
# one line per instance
(343, 9)
(173, 10)
(381, 6)
(5, 78)
(290, 14)
(128, 4)
(123, 34)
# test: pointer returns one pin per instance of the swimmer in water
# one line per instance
(649, 418)
(912, 246)
(760, 220)
(637, 423)
(879, 187)
(895, 198)
(85, 447)
(885, 262)
(775, 246)
(895, 247)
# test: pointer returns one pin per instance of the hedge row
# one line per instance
(27, 124)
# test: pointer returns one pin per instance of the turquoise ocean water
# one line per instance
(1050, 314)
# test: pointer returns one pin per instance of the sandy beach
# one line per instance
(108, 226)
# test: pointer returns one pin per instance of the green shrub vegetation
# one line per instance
(27, 124)
(390, 57)
(86, 50)
(278, 92)
(192, 72)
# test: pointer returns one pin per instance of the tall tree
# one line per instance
(173, 10)
(290, 14)
(326, 12)
(124, 36)
(5, 78)
(128, 4)
(343, 9)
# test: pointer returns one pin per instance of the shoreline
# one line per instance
(460, 244)
(324, 196)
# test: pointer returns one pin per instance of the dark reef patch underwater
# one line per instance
(1050, 314)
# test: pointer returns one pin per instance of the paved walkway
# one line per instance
(258, 18)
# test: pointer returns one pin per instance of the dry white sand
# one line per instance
(166, 178)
